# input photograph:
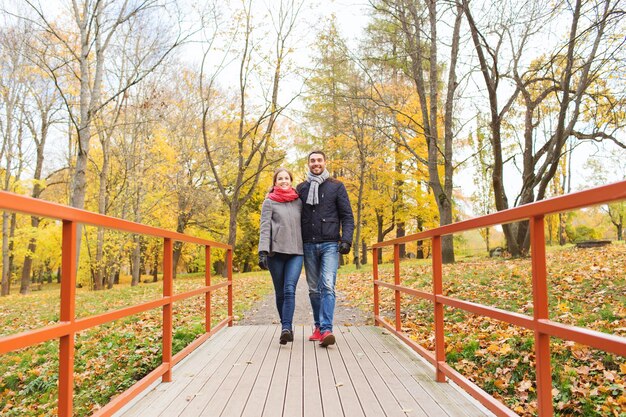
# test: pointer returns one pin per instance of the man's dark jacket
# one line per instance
(331, 220)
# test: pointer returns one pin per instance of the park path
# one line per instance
(264, 311)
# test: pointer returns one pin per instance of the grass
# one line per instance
(112, 357)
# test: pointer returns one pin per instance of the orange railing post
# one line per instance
(68, 314)
(207, 282)
(540, 311)
(440, 353)
(375, 273)
(396, 279)
(229, 256)
(168, 292)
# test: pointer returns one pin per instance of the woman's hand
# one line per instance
(263, 260)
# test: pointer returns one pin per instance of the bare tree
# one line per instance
(12, 93)
(238, 157)
(564, 78)
(85, 64)
(42, 112)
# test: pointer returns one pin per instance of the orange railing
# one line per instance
(540, 324)
(69, 325)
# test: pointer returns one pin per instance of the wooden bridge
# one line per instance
(241, 370)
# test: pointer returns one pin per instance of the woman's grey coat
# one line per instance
(280, 227)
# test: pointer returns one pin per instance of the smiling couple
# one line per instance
(312, 224)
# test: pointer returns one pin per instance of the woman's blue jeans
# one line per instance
(285, 270)
(321, 261)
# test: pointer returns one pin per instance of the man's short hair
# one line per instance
(316, 152)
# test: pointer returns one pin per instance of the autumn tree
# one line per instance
(84, 42)
(558, 85)
(423, 48)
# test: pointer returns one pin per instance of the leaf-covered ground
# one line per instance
(587, 288)
(112, 357)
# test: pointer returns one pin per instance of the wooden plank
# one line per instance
(192, 400)
(417, 381)
(386, 398)
(227, 375)
(384, 346)
(448, 397)
(331, 404)
(294, 394)
(160, 396)
(275, 400)
(312, 398)
(364, 392)
(407, 402)
(347, 394)
(239, 398)
(253, 353)
(257, 398)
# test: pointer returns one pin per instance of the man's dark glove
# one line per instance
(344, 248)
(263, 260)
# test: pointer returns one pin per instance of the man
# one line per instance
(327, 228)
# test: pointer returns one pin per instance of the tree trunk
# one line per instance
(6, 273)
(155, 264)
(381, 233)
(178, 250)
(363, 252)
(359, 211)
(420, 243)
(135, 261)
(181, 225)
(98, 276)
(232, 232)
(447, 242)
(11, 244)
(562, 224)
(399, 191)
(28, 259)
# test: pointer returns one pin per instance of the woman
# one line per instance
(280, 246)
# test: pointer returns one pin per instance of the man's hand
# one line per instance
(344, 248)
(263, 260)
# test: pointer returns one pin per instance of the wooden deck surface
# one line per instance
(244, 371)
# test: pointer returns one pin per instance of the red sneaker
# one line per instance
(316, 336)
(328, 338)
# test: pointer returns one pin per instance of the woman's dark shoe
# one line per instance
(286, 336)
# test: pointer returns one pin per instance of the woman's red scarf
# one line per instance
(283, 196)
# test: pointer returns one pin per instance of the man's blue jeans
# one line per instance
(321, 261)
(285, 270)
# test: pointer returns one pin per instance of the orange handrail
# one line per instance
(540, 324)
(69, 325)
